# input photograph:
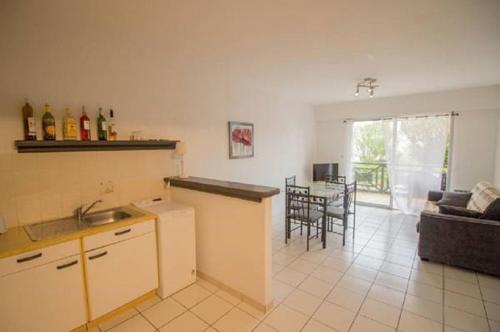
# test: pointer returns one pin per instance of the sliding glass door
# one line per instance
(369, 164)
(397, 161)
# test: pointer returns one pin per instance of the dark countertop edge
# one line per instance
(226, 188)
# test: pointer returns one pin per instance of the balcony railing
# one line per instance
(373, 177)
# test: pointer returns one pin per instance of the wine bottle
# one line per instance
(69, 126)
(112, 134)
(102, 129)
(84, 126)
(48, 125)
(29, 122)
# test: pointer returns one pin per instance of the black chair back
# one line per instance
(349, 195)
(292, 205)
(298, 189)
(301, 203)
(335, 179)
(290, 181)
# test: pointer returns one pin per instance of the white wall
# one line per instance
(475, 135)
(165, 69)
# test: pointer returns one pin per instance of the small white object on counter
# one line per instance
(180, 150)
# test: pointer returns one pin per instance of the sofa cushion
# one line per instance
(431, 207)
(455, 199)
(492, 212)
(482, 195)
(459, 211)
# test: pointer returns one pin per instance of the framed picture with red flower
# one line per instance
(240, 140)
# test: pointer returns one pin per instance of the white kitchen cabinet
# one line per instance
(47, 297)
(120, 272)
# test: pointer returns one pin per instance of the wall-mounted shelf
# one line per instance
(73, 146)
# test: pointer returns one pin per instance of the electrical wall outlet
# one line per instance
(106, 187)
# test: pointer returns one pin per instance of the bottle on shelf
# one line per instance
(69, 126)
(29, 122)
(102, 129)
(48, 125)
(84, 126)
(112, 134)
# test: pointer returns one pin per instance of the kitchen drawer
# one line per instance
(118, 234)
(38, 257)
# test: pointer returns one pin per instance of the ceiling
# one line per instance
(317, 50)
(314, 51)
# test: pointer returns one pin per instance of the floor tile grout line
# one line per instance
(484, 305)
(325, 297)
(371, 285)
(406, 293)
(120, 323)
(443, 298)
(356, 251)
(201, 318)
(147, 320)
(344, 273)
(225, 314)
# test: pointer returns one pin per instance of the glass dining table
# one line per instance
(333, 192)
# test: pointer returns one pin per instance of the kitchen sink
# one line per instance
(106, 217)
(52, 228)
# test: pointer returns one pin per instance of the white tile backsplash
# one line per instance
(35, 187)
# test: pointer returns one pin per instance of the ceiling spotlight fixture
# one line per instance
(368, 83)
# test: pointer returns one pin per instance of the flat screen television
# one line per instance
(320, 171)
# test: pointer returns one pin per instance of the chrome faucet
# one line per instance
(80, 213)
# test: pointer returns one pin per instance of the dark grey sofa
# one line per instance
(460, 241)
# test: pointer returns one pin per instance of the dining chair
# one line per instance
(343, 212)
(337, 182)
(291, 206)
(290, 181)
(309, 211)
(339, 179)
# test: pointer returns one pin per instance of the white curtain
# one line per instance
(348, 152)
(415, 151)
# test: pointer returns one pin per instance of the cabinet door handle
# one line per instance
(29, 258)
(123, 232)
(104, 253)
(60, 267)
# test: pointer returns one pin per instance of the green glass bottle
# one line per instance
(29, 122)
(48, 125)
(102, 129)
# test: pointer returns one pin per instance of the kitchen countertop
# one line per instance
(246, 191)
(17, 241)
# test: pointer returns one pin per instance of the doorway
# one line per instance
(397, 161)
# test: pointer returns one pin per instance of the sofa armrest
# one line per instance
(434, 195)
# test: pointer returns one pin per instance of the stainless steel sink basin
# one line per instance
(52, 228)
(105, 217)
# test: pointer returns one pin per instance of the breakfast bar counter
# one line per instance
(246, 191)
(233, 234)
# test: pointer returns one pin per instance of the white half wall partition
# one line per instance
(233, 235)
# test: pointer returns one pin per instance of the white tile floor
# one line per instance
(375, 283)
